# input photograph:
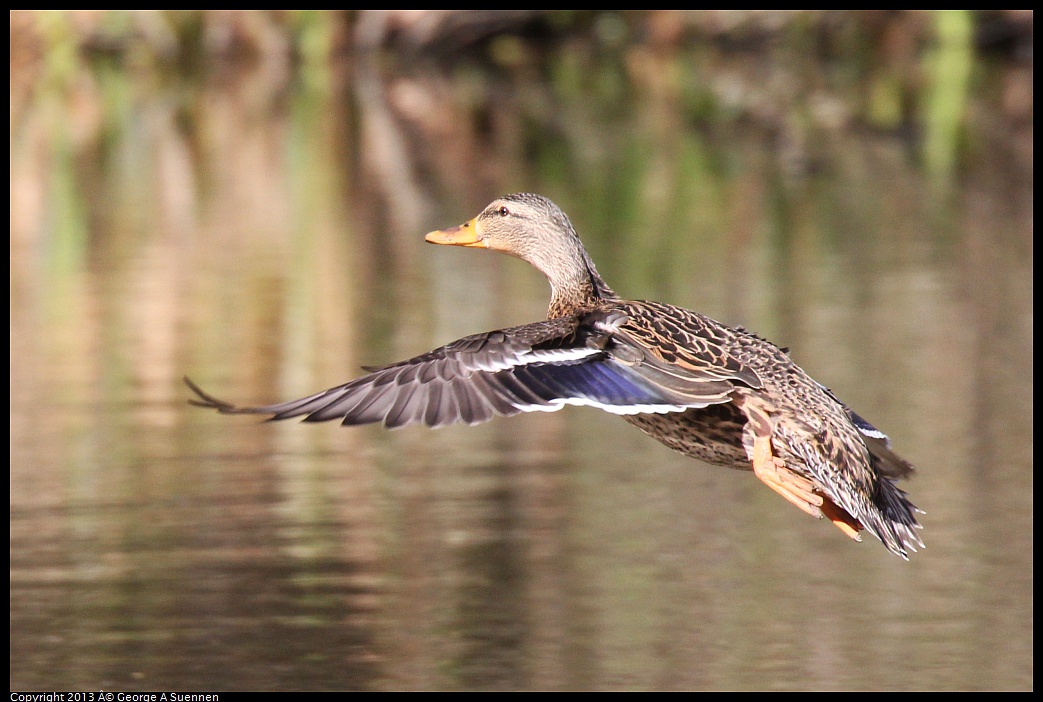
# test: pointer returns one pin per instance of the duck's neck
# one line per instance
(575, 287)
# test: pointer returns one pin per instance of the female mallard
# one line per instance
(716, 393)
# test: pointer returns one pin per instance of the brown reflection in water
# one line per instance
(263, 231)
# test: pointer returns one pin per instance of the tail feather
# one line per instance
(894, 522)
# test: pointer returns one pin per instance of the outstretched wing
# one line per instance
(590, 359)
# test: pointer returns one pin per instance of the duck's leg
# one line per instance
(774, 473)
(841, 519)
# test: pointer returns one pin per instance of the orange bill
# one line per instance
(467, 234)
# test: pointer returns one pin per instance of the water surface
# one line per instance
(263, 233)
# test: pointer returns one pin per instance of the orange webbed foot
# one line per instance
(774, 473)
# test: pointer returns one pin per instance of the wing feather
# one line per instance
(610, 358)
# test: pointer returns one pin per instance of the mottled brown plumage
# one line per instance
(713, 392)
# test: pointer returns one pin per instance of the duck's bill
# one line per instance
(464, 235)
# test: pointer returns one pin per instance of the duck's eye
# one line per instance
(504, 211)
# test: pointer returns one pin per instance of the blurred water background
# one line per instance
(241, 196)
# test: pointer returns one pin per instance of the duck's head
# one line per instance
(522, 225)
(534, 229)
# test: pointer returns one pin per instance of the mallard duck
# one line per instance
(717, 393)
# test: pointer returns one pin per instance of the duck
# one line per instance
(716, 393)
